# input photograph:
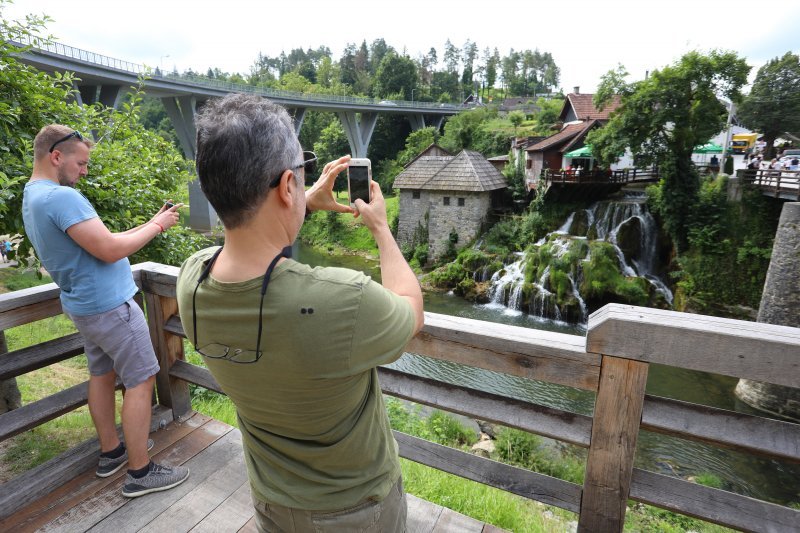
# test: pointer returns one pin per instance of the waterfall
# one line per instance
(611, 215)
(605, 220)
(506, 289)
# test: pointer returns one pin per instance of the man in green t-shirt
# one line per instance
(295, 347)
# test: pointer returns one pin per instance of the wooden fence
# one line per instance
(784, 184)
(612, 361)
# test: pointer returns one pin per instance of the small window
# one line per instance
(446, 200)
(461, 202)
(415, 195)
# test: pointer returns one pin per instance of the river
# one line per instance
(758, 477)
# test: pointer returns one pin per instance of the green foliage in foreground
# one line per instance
(132, 171)
(729, 247)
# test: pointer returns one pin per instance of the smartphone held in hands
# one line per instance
(359, 177)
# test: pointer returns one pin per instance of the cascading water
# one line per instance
(612, 216)
(605, 221)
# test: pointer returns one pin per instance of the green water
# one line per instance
(762, 478)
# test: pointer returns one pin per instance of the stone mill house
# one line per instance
(446, 194)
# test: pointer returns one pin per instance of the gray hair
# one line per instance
(243, 143)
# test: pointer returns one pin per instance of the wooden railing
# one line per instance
(783, 184)
(612, 361)
(595, 176)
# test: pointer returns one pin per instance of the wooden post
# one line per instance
(172, 392)
(617, 416)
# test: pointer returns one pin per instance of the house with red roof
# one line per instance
(579, 116)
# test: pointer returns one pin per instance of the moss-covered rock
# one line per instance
(580, 223)
(629, 238)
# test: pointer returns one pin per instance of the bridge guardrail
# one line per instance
(53, 47)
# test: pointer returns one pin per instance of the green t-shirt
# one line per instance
(314, 426)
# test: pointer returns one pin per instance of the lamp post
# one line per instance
(412, 93)
(161, 62)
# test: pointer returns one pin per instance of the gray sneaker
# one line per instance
(160, 477)
(107, 466)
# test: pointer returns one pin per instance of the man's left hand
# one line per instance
(320, 196)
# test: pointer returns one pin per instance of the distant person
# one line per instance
(297, 348)
(3, 249)
(90, 265)
(794, 164)
(8, 248)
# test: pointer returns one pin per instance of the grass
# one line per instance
(343, 233)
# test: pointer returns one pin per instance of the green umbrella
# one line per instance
(708, 148)
(583, 151)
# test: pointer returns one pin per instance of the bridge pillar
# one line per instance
(88, 94)
(780, 304)
(202, 216)
(298, 116)
(434, 121)
(359, 132)
(181, 113)
(109, 95)
(419, 121)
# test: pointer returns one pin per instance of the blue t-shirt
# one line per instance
(88, 285)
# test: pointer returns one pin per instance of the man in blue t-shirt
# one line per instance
(90, 266)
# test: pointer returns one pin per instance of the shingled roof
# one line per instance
(583, 105)
(568, 133)
(466, 171)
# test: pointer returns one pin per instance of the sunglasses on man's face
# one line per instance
(309, 165)
(75, 134)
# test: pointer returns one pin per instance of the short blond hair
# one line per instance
(51, 134)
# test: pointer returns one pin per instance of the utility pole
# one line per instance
(727, 135)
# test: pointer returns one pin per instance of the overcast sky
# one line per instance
(586, 38)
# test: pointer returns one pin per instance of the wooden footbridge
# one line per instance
(612, 361)
(783, 184)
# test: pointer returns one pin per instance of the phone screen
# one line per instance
(359, 183)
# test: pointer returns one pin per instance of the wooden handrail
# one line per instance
(611, 361)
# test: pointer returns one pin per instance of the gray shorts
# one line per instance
(118, 340)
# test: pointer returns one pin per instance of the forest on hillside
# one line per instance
(381, 71)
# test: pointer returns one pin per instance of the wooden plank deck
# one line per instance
(215, 498)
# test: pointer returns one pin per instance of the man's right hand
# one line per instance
(374, 212)
(167, 217)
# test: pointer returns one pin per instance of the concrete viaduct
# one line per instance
(104, 79)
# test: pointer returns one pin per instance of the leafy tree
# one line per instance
(377, 51)
(133, 171)
(773, 105)
(547, 116)
(516, 118)
(387, 170)
(444, 86)
(514, 172)
(451, 56)
(332, 144)
(471, 130)
(662, 118)
(347, 65)
(396, 74)
(492, 61)
(470, 53)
